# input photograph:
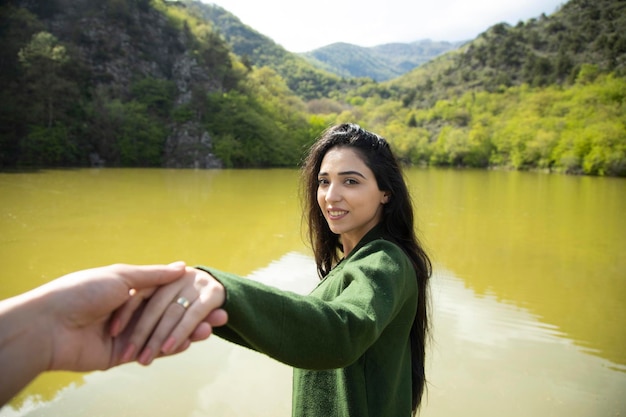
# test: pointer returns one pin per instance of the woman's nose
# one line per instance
(333, 193)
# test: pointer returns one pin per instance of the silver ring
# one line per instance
(182, 301)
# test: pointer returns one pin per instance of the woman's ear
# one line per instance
(386, 197)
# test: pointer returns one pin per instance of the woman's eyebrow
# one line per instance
(343, 174)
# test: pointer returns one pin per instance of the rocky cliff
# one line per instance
(117, 42)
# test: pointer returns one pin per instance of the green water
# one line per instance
(528, 295)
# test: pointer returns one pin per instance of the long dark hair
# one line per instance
(397, 218)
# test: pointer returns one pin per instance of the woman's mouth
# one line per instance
(336, 214)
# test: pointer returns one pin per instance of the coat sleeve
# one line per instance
(306, 331)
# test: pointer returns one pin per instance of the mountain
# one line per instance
(543, 51)
(380, 63)
(317, 73)
(254, 48)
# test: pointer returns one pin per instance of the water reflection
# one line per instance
(495, 358)
(555, 245)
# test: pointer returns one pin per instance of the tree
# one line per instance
(50, 95)
(43, 59)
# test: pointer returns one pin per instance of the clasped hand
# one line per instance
(101, 317)
(165, 326)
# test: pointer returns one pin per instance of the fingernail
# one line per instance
(146, 356)
(168, 345)
(177, 264)
(128, 353)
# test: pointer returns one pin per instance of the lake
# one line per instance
(529, 289)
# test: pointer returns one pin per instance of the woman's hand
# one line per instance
(176, 314)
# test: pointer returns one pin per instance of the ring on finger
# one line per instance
(183, 302)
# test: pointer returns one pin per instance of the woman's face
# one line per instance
(348, 195)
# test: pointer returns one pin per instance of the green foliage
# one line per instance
(139, 140)
(156, 95)
(260, 127)
(578, 129)
(47, 145)
(131, 133)
(546, 94)
(43, 47)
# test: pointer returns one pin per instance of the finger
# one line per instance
(122, 353)
(182, 330)
(122, 316)
(196, 314)
(180, 349)
(142, 276)
(216, 318)
(212, 296)
(150, 318)
(136, 277)
(201, 332)
(183, 347)
(169, 320)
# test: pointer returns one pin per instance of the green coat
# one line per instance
(348, 340)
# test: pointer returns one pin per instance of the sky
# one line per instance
(301, 26)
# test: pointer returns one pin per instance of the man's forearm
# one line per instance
(22, 343)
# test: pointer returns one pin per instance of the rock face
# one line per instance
(122, 41)
(190, 147)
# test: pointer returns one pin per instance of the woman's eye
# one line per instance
(351, 181)
(322, 181)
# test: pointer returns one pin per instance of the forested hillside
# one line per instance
(186, 84)
(135, 83)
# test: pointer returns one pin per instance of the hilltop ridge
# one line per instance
(381, 62)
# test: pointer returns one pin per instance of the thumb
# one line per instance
(145, 276)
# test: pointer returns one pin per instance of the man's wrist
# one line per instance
(24, 341)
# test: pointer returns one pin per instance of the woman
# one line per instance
(357, 340)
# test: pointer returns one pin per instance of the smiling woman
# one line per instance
(365, 323)
(348, 196)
